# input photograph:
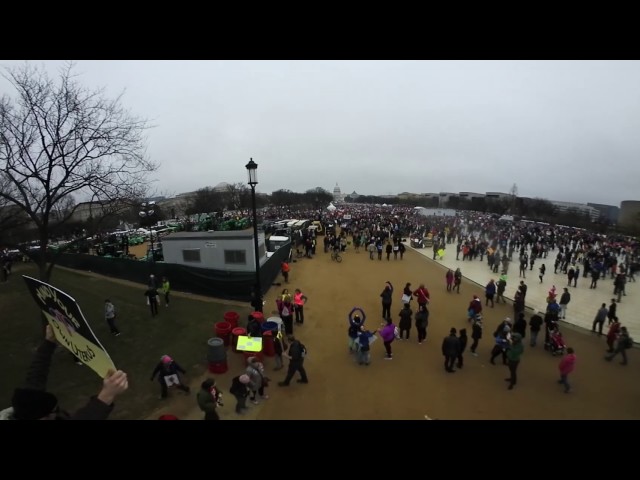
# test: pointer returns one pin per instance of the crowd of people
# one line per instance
(381, 232)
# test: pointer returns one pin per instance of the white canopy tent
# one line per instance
(331, 207)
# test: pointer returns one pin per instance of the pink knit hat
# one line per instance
(244, 379)
(166, 359)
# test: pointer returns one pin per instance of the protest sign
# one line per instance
(69, 326)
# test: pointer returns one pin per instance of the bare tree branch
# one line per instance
(60, 141)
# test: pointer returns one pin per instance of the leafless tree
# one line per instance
(60, 141)
(237, 196)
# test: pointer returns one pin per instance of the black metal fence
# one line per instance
(201, 281)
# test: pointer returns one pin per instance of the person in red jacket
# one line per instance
(423, 295)
(567, 365)
(474, 309)
(612, 334)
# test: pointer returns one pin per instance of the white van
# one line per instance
(274, 242)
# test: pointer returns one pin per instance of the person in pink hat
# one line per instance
(168, 372)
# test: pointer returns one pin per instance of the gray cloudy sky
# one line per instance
(562, 130)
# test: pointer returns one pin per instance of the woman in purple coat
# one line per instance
(387, 333)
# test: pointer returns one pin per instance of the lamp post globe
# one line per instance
(147, 212)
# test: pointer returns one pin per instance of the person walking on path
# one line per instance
(208, 400)
(422, 294)
(565, 298)
(284, 268)
(463, 345)
(611, 314)
(501, 287)
(476, 334)
(387, 333)
(489, 292)
(168, 372)
(567, 365)
(387, 299)
(514, 353)
(166, 290)
(612, 334)
(543, 269)
(449, 279)
(535, 324)
(457, 280)
(624, 343)
(422, 322)
(296, 354)
(240, 390)
(110, 317)
(450, 350)
(598, 321)
(152, 300)
(299, 300)
(406, 315)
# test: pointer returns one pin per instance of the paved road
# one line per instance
(584, 301)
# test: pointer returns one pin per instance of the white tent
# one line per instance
(331, 207)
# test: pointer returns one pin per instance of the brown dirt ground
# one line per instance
(414, 383)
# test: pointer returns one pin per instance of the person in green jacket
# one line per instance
(208, 399)
(166, 289)
(514, 353)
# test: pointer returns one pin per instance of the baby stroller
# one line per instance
(555, 344)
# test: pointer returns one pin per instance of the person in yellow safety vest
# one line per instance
(166, 289)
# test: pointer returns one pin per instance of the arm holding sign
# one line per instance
(38, 372)
(100, 406)
(34, 403)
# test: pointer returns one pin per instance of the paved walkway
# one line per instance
(584, 304)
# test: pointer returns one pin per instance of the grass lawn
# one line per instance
(181, 331)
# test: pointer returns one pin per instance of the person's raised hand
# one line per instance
(49, 335)
(113, 385)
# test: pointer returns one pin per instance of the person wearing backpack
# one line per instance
(624, 343)
(296, 353)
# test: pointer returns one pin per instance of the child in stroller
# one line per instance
(556, 344)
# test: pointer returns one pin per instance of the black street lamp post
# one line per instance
(252, 170)
(148, 212)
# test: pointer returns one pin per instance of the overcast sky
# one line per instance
(562, 130)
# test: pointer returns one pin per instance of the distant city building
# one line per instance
(444, 197)
(582, 208)
(338, 197)
(470, 195)
(222, 187)
(629, 213)
(498, 195)
(354, 195)
(608, 212)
